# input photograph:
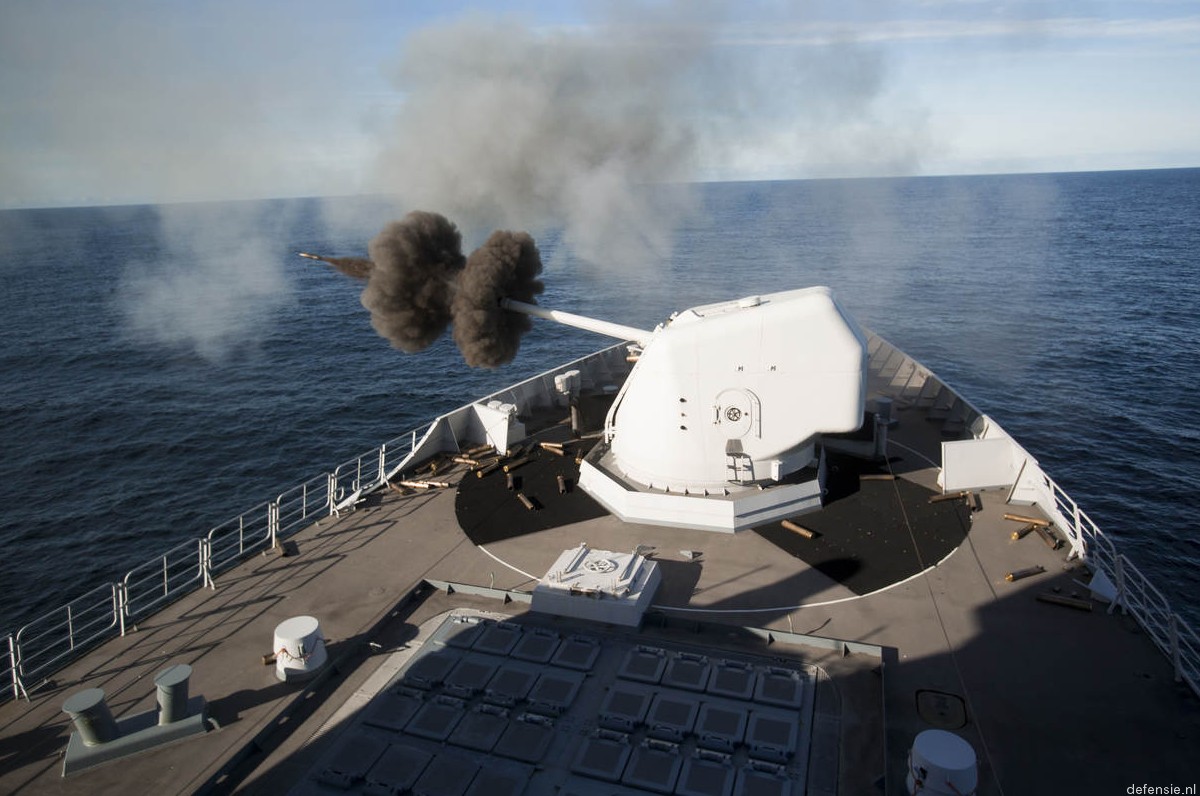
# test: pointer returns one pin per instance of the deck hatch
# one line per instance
(758, 782)
(393, 710)
(554, 692)
(772, 736)
(446, 775)
(687, 671)
(624, 708)
(720, 727)
(526, 739)
(437, 719)
(645, 664)
(353, 759)
(706, 774)
(732, 679)
(430, 670)
(398, 768)
(498, 638)
(654, 766)
(537, 646)
(671, 716)
(497, 783)
(469, 677)
(481, 728)
(782, 687)
(511, 684)
(577, 652)
(602, 756)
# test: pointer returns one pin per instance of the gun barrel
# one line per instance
(616, 330)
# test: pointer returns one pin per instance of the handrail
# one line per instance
(159, 580)
(57, 637)
(1136, 595)
(54, 639)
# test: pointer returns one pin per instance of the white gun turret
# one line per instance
(726, 400)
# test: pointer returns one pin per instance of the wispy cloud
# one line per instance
(822, 33)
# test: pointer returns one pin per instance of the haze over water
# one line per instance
(143, 404)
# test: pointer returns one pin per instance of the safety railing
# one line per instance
(53, 640)
(148, 586)
(897, 374)
(1135, 594)
(356, 477)
(234, 539)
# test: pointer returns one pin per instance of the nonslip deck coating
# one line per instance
(1055, 700)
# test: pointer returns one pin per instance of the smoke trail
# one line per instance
(409, 288)
(355, 267)
(506, 266)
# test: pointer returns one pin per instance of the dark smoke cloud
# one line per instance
(418, 282)
(506, 266)
(409, 287)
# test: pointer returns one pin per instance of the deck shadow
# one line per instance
(862, 538)
(488, 511)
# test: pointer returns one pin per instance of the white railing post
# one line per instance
(379, 473)
(273, 523)
(206, 578)
(15, 652)
(12, 662)
(332, 493)
(121, 593)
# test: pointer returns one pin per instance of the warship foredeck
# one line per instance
(1052, 699)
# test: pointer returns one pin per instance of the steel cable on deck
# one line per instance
(942, 623)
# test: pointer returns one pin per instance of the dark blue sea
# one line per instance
(165, 368)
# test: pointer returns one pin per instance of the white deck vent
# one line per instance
(941, 763)
(299, 648)
(615, 588)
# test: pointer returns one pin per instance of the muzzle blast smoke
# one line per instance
(418, 283)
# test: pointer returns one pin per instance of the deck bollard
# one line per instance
(91, 716)
(172, 685)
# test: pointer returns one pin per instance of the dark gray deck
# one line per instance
(1055, 700)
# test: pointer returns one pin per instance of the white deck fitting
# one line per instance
(599, 585)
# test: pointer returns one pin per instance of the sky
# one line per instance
(459, 103)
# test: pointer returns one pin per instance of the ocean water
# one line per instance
(163, 369)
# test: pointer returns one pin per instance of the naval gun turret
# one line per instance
(719, 424)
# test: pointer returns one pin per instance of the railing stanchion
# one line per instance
(206, 563)
(273, 523)
(121, 597)
(12, 662)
